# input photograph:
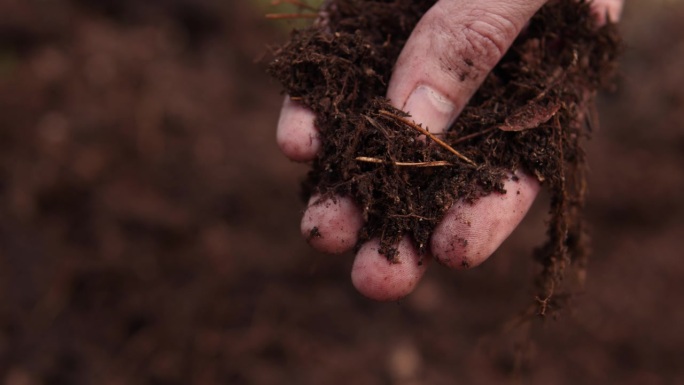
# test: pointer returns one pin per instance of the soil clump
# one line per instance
(532, 113)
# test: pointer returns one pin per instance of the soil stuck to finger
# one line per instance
(532, 113)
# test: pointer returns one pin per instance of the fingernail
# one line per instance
(431, 109)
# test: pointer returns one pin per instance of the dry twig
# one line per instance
(437, 163)
(277, 16)
(473, 135)
(427, 133)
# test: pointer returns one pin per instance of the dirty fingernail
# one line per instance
(431, 109)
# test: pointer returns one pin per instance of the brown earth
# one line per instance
(530, 113)
(149, 225)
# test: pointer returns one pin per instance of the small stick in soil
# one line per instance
(278, 16)
(295, 3)
(437, 163)
(474, 135)
(428, 134)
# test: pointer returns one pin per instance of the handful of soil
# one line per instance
(532, 113)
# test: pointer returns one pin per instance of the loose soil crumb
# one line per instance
(532, 113)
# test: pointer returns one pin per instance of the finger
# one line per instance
(470, 233)
(605, 10)
(450, 52)
(377, 278)
(332, 225)
(297, 135)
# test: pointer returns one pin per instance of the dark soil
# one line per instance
(148, 222)
(531, 113)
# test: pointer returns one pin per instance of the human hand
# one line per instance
(450, 52)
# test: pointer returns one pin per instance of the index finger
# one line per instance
(297, 135)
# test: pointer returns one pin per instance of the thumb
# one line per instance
(450, 52)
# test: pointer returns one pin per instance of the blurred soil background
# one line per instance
(149, 224)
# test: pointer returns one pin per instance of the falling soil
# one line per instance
(531, 113)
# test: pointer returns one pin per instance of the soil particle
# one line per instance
(531, 113)
(314, 233)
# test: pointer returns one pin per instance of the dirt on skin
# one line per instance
(532, 113)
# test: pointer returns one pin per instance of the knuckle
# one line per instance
(482, 41)
(489, 36)
(474, 45)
